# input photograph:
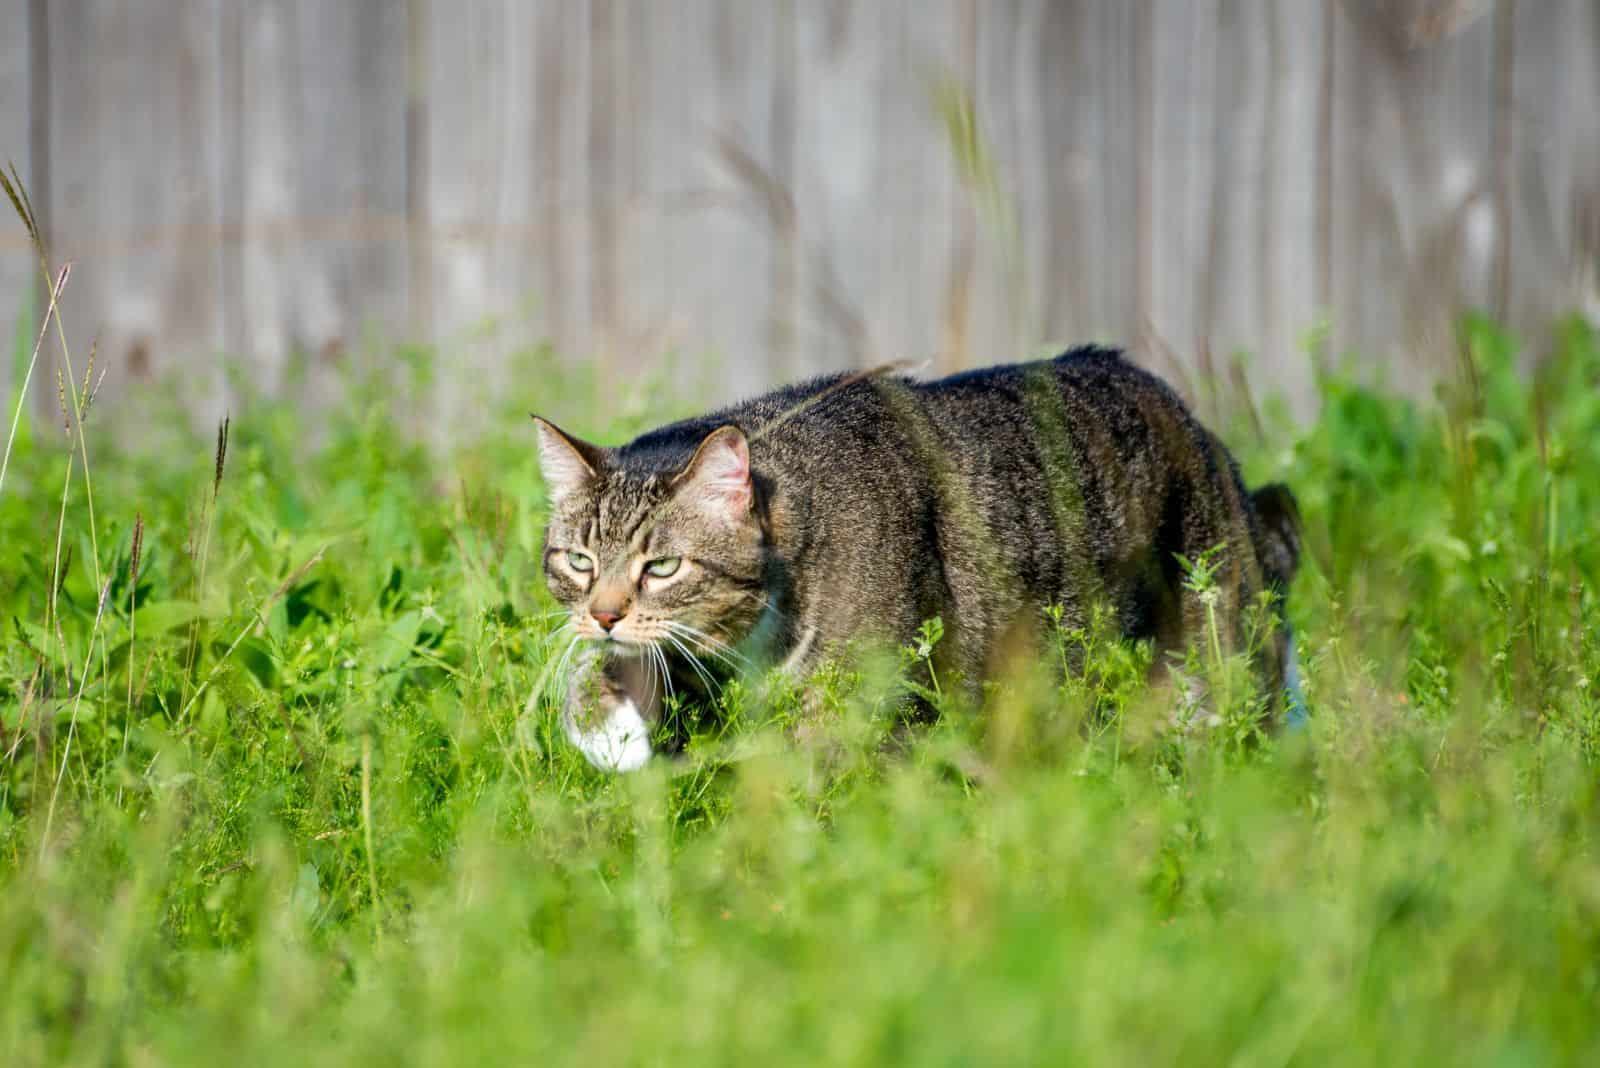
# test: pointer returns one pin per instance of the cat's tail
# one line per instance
(1278, 518)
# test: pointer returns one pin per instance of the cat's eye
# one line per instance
(579, 562)
(665, 567)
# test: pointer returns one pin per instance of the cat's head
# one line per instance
(647, 552)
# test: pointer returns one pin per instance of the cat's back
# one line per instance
(832, 422)
(1100, 377)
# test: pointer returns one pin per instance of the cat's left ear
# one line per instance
(718, 478)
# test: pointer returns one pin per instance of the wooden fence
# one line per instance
(795, 186)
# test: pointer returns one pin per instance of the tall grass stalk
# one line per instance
(56, 288)
(366, 829)
(72, 723)
(208, 509)
(135, 558)
(17, 193)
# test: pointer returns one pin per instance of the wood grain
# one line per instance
(1232, 164)
(134, 142)
(316, 200)
(18, 270)
(1416, 230)
(1554, 177)
(757, 191)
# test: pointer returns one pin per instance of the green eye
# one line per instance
(664, 567)
(579, 562)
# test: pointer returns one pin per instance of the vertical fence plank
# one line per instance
(1555, 176)
(1058, 98)
(774, 183)
(1414, 229)
(693, 115)
(418, 139)
(875, 179)
(507, 189)
(1234, 200)
(133, 138)
(17, 265)
(318, 128)
(604, 73)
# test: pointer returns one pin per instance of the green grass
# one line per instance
(309, 813)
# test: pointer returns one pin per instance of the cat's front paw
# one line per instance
(614, 738)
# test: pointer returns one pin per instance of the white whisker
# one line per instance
(659, 661)
(651, 672)
(710, 644)
(560, 675)
(694, 661)
(553, 673)
(766, 604)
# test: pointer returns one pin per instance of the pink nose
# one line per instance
(607, 620)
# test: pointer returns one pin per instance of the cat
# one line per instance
(853, 507)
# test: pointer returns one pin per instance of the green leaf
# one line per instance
(165, 615)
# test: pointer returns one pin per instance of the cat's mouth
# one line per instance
(620, 634)
(649, 637)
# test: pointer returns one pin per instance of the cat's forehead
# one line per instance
(615, 511)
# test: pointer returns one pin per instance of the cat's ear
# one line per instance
(718, 478)
(568, 464)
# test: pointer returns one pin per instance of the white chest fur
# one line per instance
(621, 742)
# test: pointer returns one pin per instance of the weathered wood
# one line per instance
(1554, 179)
(874, 182)
(776, 188)
(1057, 96)
(1232, 164)
(577, 181)
(316, 205)
(507, 199)
(691, 96)
(1413, 200)
(134, 137)
(18, 269)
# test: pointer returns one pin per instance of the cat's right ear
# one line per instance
(567, 463)
(718, 476)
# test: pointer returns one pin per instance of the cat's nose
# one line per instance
(607, 620)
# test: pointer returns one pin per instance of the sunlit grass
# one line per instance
(310, 813)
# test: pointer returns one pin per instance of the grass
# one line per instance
(289, 795)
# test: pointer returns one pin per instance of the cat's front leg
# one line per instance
(611, 710)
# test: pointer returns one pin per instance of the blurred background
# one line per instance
(255, 193)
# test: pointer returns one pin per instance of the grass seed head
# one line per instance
(136, 552)
(222, 454)
(88, 371)
(61, 402)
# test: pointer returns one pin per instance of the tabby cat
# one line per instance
(854, 507)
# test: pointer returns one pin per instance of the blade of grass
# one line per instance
(135, 553)
(72, 725)
(17, 193)
(27, 377)
(208, 512)
(366, 828)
